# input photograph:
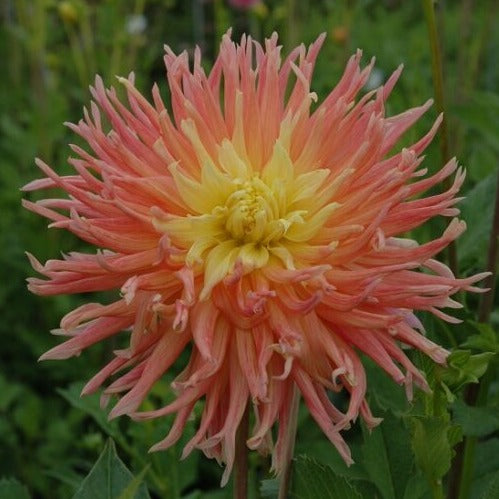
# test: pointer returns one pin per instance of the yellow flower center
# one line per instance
(249, 209)
(239, 216)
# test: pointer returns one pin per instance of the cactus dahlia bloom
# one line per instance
(256, 233)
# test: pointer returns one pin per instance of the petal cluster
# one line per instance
(260, 231)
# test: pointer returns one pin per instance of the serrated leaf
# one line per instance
(10, 488)
(109, 478)
(454, 435)
(431, 446)
(312, 480)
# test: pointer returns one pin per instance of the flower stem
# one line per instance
(438, 86)
(241, 459)
(437, 491)
(285, 478)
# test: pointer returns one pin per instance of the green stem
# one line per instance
(292, 24)
(437, 491)
(438, 86)
(241, 459)
(285, 478)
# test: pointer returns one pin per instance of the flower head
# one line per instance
(258, 233)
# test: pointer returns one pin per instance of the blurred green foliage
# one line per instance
(50, 51)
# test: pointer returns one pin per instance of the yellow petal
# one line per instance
(231, 162)
(192, 193)
(304, 232)
(219, 263)
(279, 166)
(253, 256)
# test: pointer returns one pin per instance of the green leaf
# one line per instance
(376, 463)
(477, 210)
(475, 421)
(311, 442)
(10, 488)
(485, 340)
(454, 435)
(132, 488)
(388, 395)
(417, 487)
(312, 480)
(109, 479)
(387, 456)
(487, 456)
(66, 475)
(464, 368)
(431, 446)
(486, 465)
(492, 491)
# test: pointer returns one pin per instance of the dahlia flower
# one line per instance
(258, 233)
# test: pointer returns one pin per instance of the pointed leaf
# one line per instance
(132, 488)
(109, 478)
